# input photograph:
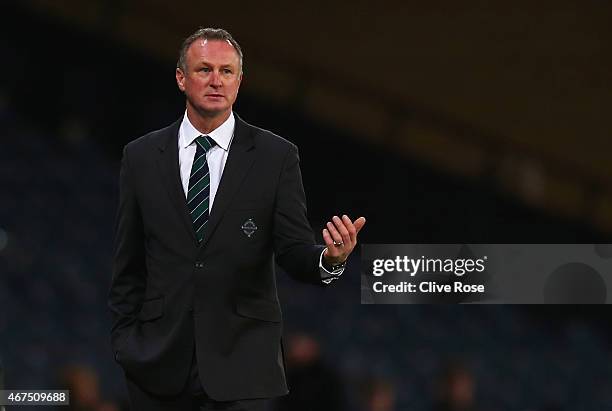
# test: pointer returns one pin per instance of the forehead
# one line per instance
(212, 51)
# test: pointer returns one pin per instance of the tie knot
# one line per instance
(205, 142)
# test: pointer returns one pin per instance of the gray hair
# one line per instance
(206, 34)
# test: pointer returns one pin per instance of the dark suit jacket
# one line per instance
(169, 293)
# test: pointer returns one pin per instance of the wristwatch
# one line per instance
(334, 267)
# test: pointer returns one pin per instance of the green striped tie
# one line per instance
(199, 186)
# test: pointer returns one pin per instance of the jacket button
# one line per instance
(199, 264)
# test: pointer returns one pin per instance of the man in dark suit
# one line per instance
(207, 205)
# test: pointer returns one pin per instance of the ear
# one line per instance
(240, 78)
(180, 79)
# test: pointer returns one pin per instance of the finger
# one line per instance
(329, 242)
(346, 239)
(351, 228)
(334, 233)
(359, 223)
(327, 238)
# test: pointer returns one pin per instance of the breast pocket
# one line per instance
(248, 226)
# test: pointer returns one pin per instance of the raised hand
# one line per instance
(340, 236)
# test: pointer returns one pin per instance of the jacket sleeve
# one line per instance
(294, 243)
(129, 272)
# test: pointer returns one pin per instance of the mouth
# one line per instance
(214, 95)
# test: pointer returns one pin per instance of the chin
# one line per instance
(211, 111)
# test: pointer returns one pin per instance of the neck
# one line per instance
(206, 122)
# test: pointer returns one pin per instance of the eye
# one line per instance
(205, 69)
(227, 71)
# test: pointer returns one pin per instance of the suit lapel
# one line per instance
(168, 163)
(239, 162)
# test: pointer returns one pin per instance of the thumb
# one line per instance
(359, 223)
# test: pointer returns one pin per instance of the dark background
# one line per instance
(439, 122)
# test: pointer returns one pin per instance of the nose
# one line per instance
(215, 80)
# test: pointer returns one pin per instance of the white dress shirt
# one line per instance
(216, 158)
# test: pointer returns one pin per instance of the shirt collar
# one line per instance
(222, 134)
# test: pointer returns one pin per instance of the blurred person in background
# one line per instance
(206, 207)
(378, 394)
(314, 385)
(456, 389)
(84, 387)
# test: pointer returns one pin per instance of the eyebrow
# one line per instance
(205, 63)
